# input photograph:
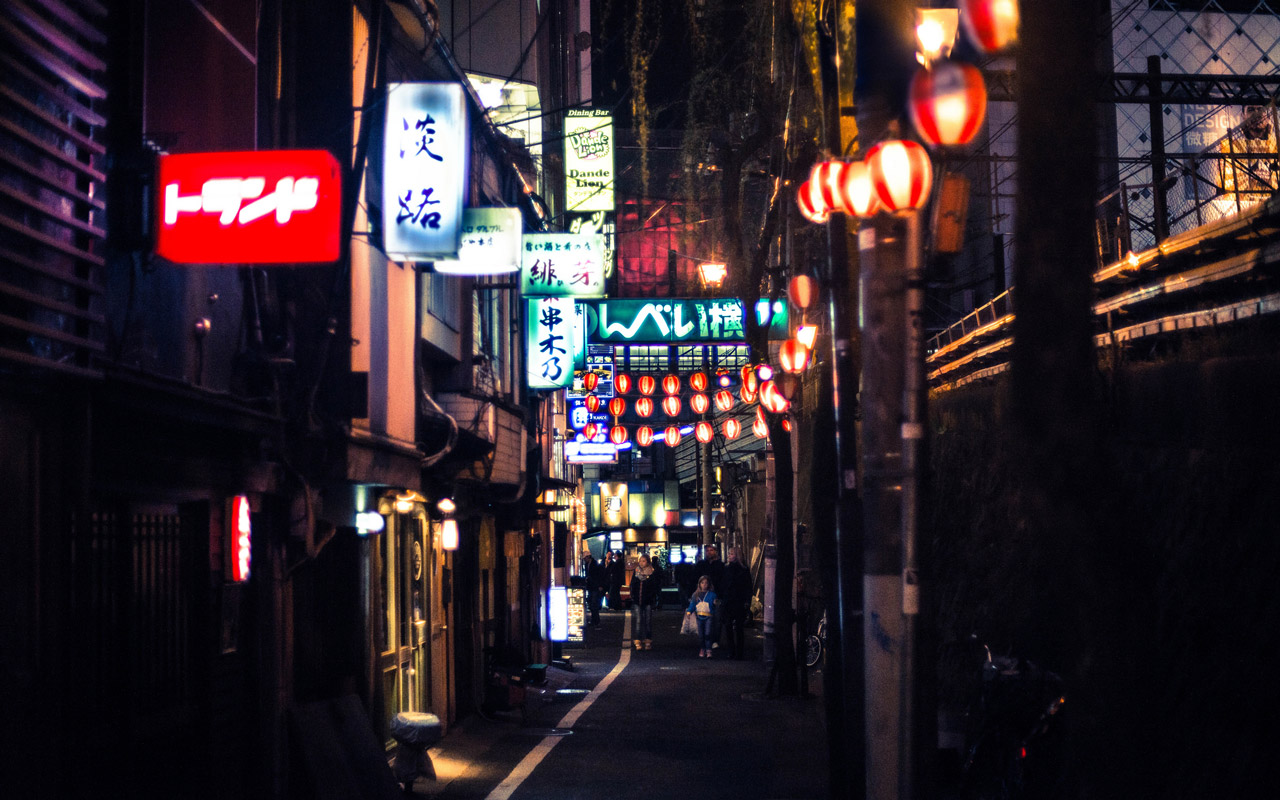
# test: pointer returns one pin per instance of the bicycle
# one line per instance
(816, 643)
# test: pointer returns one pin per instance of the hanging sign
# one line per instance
(603, 223)
(635, 321)
(588, 159)
(239, 538)
(262, 207)
(424, 170)
(490, 243)
(549, 349)
(562, 265)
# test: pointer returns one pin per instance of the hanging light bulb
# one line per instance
(646, 384)
(622, 383)
(732, 428)
(672, 435)
(724, 400)
(644, 436)
(703, 432)
(644, 406)
(699, 403)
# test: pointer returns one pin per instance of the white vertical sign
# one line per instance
(424, 177)
(549, 342)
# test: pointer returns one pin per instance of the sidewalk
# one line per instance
(697, 726)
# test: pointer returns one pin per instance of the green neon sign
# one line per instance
(636, 320)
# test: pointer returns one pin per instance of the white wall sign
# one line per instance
(424, 175)
(490, 243)
(549, 345)
(588, 159)
(562, 265)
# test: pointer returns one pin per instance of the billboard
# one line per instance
(667, 320)
(548, 342)
(562, 265)
(489, 243)
(588, 160)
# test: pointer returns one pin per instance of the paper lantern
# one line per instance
(589, 430)
(699, 403)
(793, 356)
(592, 402)
(760, 429)
(698, 382)
(646, 384)
(810, 211)
(671, 405)
(672, 435)
(618, 434)
(703, 432)
(590, 381)
(901, 174)
(947, 102)
(992, 24)
(732, 428)
(644, 406)
(772, 399)
(622, 384)
(824, 185)
(616, 406)
(724, 400)
(857, 191)
(644, 436)
(749, 380)
(802, 290)
(671, 384)
(786, 424)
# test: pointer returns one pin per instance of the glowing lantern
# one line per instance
(672, 435)
(592, 403)
(616, 406)
(699, 403)
(618, 434)
(671, 384)
(589, 430)
(793, 356)
(749, 380)
(901, 174)
(772, 399)
(644, 436)
(644, 406)
(802, 291)
(992, 24)
(703, 432)
(646, 384)
(760, 429)
(824, 184)
(698, 381)
(622, 383)
(948, 102)
(786, 424)
(859, 194)
(590, 381)
(723, 379)
(724, 400)
(732, 428)
(671, 405)
(811, 212)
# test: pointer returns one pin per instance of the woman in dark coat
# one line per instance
(645, 585)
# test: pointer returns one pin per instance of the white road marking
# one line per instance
(525, 768)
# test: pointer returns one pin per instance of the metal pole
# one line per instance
(707, 537)
(1155, 111)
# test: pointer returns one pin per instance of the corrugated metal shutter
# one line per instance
(52, 215)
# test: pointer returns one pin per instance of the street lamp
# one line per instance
(935, 33)
(712, 275)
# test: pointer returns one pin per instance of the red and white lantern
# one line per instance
(646, 384)
(699, 403)
(760, 429)
(724, 400)
(622, 383)
(672, 435)
(671, 384)
(802, 291)
(772, 399)
(901, 174)
(808, 209)
(703, 432)
(859, 195)
(592, 402)
(590, 381)
(948, 102)
(793, 356)
(732, 428)
(749, 380)
(644, 406)
(671, 405)
(589, 431)
(617, 406)
(992, 24)
(644, 436)
(698, 381)
(618, 434)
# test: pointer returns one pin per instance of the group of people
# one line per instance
(718, 592)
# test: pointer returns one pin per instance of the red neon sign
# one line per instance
(263, 207)
(241, 532)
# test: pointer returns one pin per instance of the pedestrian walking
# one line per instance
(701, 603)
(596, 585)
(646, 583)
(617, 574)
(735, 598)
(713, 568)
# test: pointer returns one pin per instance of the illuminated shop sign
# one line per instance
(603, 223)
(489, 243)
(588, 159)
(263, 207)
(562, 265)
(598, 361)
(548, 342)
(558, 613)
(590, 452)
(613, 504)
(239, 538)
(678, 320)
(424, 170)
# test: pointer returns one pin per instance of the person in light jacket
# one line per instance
(646, 583)
(702, 605)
